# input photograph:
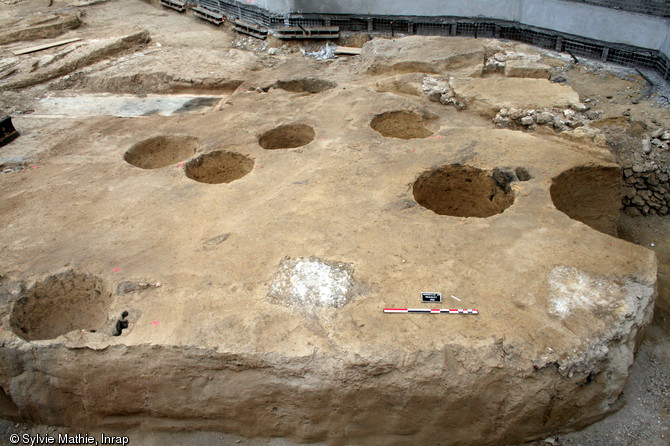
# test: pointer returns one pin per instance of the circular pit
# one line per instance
(60, 304)
(461, 191)
(161, 151)
(287, 136)
(218, 167)
(400, 124)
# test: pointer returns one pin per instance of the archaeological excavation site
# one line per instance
(331, 222)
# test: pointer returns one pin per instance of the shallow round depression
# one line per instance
(461, 191)
(400, 124)
(218, 167)
(161, 151)
(306, 85)
(287, 136)
(590, 194)
(60, 304)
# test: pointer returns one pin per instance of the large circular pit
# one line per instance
(461, 191)
(161, 151)
(400, 124)
(218, 167)
(60, 304)
(287, 136)
(590, 194)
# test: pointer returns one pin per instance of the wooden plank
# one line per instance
(348, 50)
(45, 46)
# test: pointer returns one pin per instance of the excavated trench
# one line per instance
(60, 304)
(161, 151)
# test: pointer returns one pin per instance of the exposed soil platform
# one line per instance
(227, 268)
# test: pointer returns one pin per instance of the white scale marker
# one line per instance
(431, 310)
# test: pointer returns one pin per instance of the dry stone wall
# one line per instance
(646, 189)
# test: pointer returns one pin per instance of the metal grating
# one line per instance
(592, 51)
(530, 36)
(476, 29)
(350, 24)
(293, 21)
(212, 5)
(433, 29)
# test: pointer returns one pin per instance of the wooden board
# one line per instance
(348, 50)
(45, 46)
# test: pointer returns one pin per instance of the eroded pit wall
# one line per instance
(633, 33)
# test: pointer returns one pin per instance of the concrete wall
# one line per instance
(608, 25)
(275, 6)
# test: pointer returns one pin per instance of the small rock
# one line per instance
(522, 174)
(568, 113)
(501, 121)
(658, 132)
(665, 136)
(579, 107)
(637, 168)
(527, 121)
(627, 172)
(632, 211)
(628, 192)
(545, 118)
(635, 101)
(273, 51)
(626, 113)
(503, 112)
(594, 115)
(515, 113)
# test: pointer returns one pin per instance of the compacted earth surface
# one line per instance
(200, 232)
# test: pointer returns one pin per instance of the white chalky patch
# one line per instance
(305, 283)
(572, 290)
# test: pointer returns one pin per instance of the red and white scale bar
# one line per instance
(431, 310)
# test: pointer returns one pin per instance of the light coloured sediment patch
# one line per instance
(575, 290)
(307, 283)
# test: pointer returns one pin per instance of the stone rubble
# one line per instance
(440, 90)
(559, 120)
(645, 183)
